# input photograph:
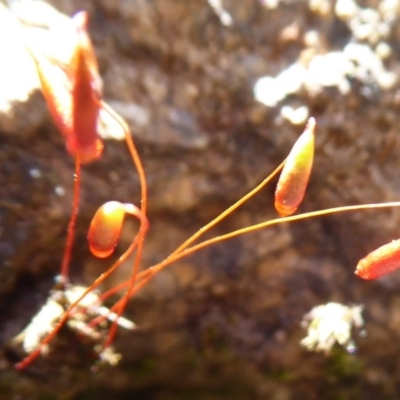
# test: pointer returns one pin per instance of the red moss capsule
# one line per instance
(380, 262)
(294, 177)
(105, 229)
(73, 95)
(80, 21)
(86, 94)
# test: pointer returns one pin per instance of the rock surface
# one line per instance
(224, 323)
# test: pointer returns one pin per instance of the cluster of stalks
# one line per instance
(73, 93)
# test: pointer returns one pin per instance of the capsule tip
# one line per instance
(100, 253)
(80, 19)
(311, 124)
(363, 272)
(284, 210)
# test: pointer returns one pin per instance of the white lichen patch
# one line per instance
(88, 308)
(361, 58)
(14, 60)
(223, 15)
(295, 115)
(331, 323)
(333, 69)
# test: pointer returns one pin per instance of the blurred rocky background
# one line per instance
(216, 93)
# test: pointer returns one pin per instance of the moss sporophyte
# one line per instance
(73, 93)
